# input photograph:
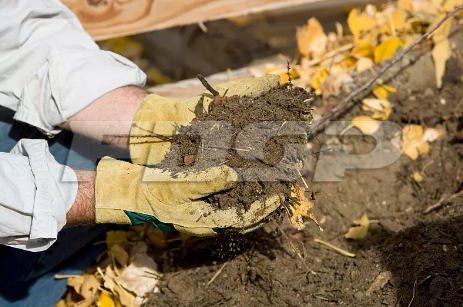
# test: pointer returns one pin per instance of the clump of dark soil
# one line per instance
(250, 135)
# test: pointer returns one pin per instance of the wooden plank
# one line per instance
(112, 18)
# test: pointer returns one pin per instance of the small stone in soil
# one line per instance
(359, 295)
(429, 92)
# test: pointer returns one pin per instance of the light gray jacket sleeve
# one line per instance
(50, 68)
(36, 192)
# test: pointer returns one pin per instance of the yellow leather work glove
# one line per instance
(127, 193)
(156, 119)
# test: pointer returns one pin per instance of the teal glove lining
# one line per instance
(140, 218)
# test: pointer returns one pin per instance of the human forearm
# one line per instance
(109, 118)
(83, 209)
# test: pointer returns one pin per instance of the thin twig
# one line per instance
(334, 112)
(217, 274)
(442, 202)
(341, 251)
(207, 85)
(413, 295)
(303, 179)
(289, 75)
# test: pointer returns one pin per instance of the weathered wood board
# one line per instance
(112, 18)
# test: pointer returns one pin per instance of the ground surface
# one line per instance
(423, 252)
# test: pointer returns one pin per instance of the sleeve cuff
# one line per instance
(55, 192)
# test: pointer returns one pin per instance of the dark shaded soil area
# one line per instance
(278, 266)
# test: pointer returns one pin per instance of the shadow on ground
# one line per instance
(427, 257)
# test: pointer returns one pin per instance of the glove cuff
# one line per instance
(111, 216)
(113, 191)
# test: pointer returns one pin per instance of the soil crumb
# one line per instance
(262, 138)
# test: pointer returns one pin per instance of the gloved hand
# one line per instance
(127, 193)
(132, 194)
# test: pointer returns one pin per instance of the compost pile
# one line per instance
(279, 117)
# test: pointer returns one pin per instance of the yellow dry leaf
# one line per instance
(360, 230)
(388, 88)
(418, 176)
(126, 298)
(405, 4)
(449, 5)
(432, 134)
(333, 83)
(381, 91)
(425, 6)
(399, 18)
(364, 64)
(366, 124)
(414, 145)
(416, 139)
(395, 20)
(89, 287)
(387, 49)
(381, 108)
(318, 78)
(141, 276)
(76, 282)
(120, 254)
(443, 31)
(343, 64)
(115, 237)
(105, 300)
(360, 23)
(365, 50)
(329, 87)
(311, 39)
(270, 70)
(301, 209)
(441, 51)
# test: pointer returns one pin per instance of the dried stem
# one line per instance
(334, 112)
(207, 85)
(217, 274)
(442, 202)
(339, 250)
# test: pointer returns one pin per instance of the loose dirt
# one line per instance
(258, 129)
(422, 252)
